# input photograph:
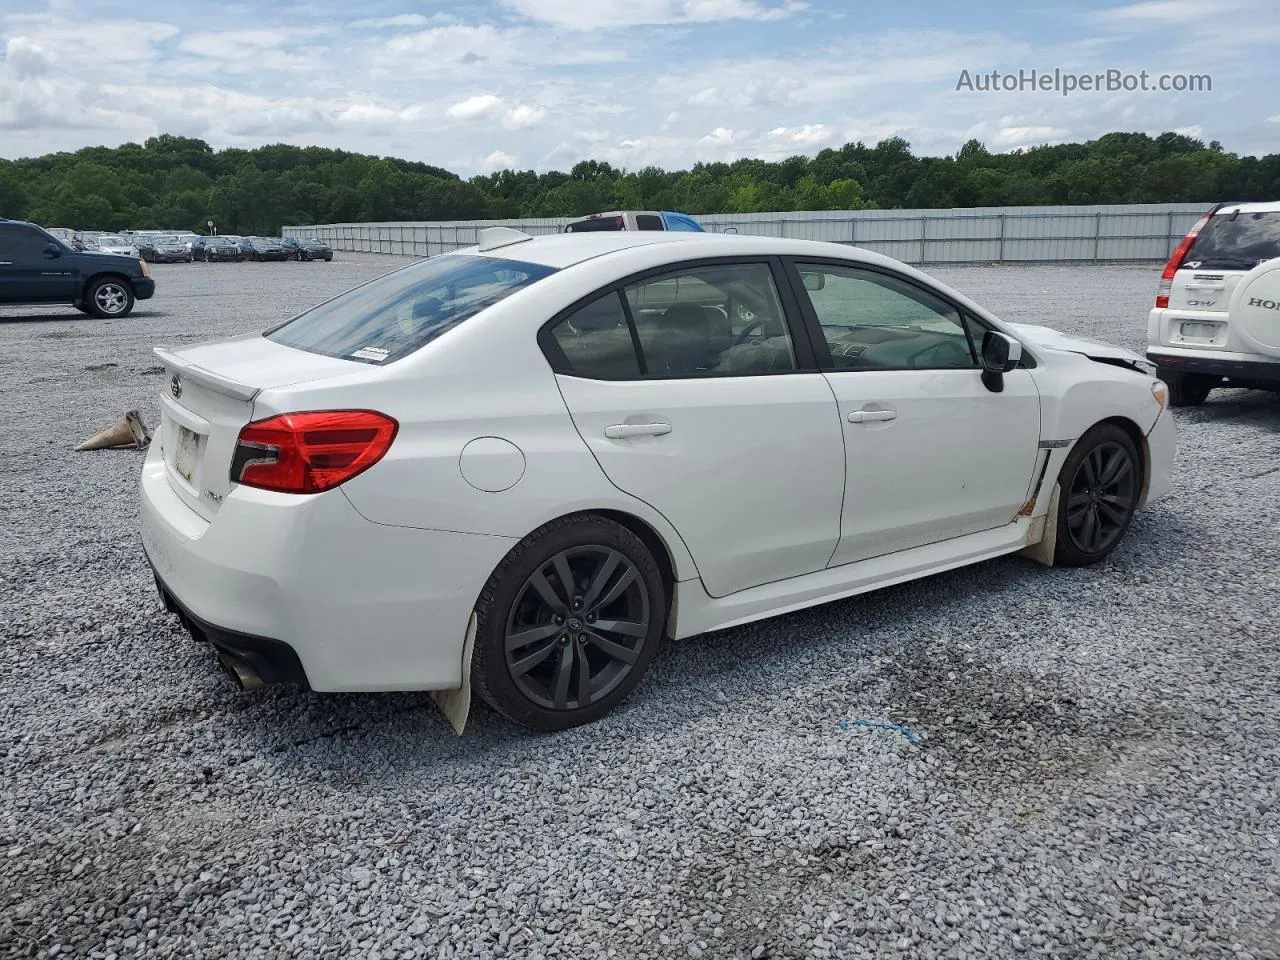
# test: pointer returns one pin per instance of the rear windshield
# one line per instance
(1238, 242)
(596, 223)
(391, 317)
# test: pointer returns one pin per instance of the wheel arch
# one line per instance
(656, 546)
(93, 278)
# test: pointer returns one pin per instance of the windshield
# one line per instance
(166, 240)
(391, 317)
(1238, 241)
(112, 242)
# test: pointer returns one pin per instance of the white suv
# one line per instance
(1216, 321)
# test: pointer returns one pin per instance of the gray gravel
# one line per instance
(1096, 774)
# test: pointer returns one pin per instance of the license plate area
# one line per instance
(1197, 331)
(183, 452)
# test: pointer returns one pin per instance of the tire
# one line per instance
(1100, 482)
(110, 298)
(525, 596)
(329, 258)
(1188, 389)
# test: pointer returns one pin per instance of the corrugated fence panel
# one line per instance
(1131, 231)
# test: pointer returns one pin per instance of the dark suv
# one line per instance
(36, 267)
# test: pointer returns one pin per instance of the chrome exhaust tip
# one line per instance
(244, 675)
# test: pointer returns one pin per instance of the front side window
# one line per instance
(23, 244)
(393, 316)
(873, 321)
(711, 320)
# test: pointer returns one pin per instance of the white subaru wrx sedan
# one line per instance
(514, 468)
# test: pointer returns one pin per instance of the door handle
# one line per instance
(869, 416)
(624, 431)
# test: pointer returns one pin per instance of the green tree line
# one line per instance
(179, 182)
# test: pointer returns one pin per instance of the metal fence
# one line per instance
(1074, 234)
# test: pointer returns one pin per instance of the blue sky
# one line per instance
(544, 83)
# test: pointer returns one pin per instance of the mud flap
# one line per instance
(1047, 545)
(456, 704)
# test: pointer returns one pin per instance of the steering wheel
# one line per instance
(935, 355)
(749, 331)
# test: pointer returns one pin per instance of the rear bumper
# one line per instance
(144, 288)
(360, 605)
(1254, 371)
(272, 660)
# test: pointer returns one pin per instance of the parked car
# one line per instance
(310, 249)
(113, 243)
(263, 248)
(635, 220)
(164, 248)
(36, 267)
(210, 249)
(543, 453)
(1216, 321)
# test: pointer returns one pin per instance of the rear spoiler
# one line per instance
(206, 378)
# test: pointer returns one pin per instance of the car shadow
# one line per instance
(73, 314)
(845, 647)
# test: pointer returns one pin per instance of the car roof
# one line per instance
(1268, 206)
(562, 250)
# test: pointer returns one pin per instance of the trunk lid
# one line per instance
(208, 397)
(1203, 291)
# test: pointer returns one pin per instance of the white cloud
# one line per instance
(249, 51)
(519, 116)
(617, 14)
(500, 160)
(399, 20)
(808, 135)
(473, 107)
(522, 116)
(1012, 138)
(1162, 12)
(706, 95)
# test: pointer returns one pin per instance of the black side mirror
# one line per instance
(1000, 354)
(52, 251)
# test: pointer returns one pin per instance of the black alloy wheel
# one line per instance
(568, 623)
(1100, 486)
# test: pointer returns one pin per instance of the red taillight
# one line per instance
(310, 452)
(1175, 261)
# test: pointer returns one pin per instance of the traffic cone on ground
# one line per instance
(129, 432)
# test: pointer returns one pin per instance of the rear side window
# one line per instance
(596, 341)
(393, 316)
(649, 221)
(1238, 242)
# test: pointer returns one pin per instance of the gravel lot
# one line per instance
(1096, 774)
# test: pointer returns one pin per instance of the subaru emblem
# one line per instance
(175, 387)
